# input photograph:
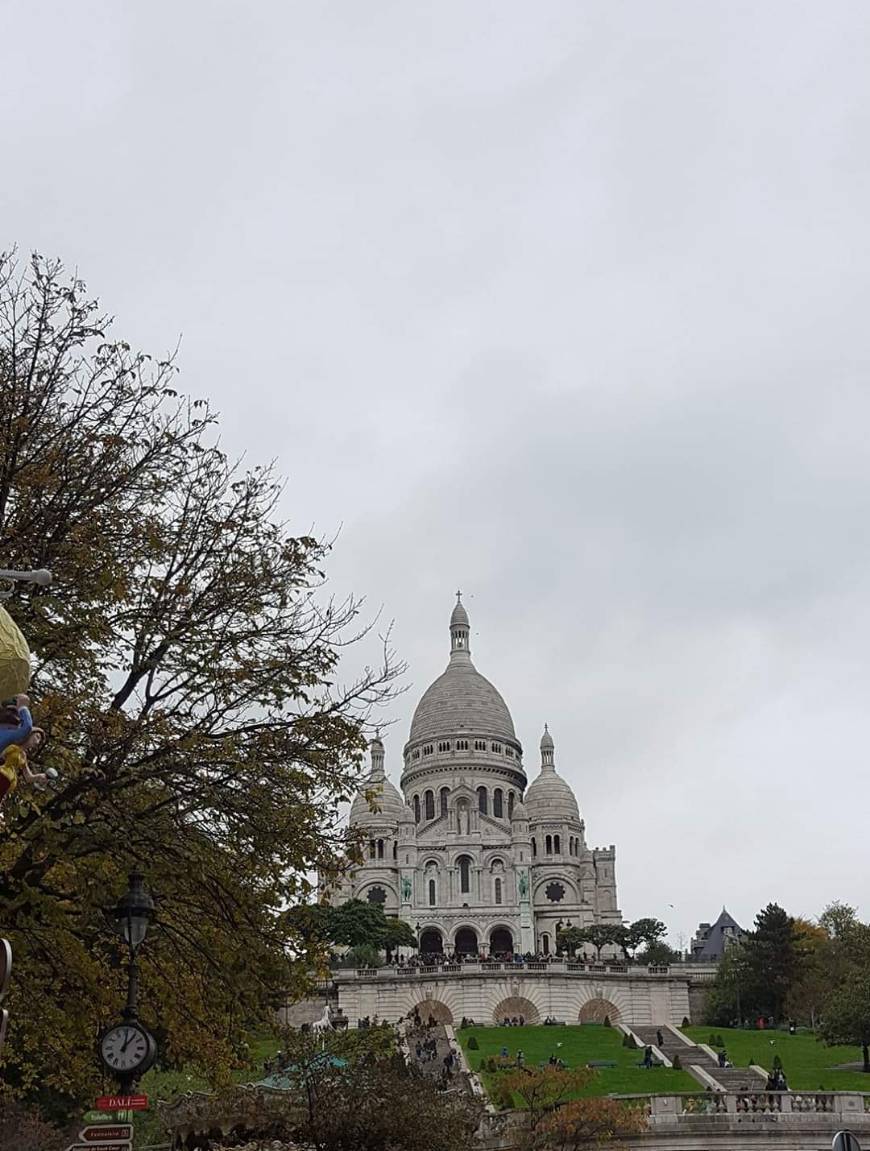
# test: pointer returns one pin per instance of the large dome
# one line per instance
(461, 700)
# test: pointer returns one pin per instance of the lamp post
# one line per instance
(417, 930)
(128, 1049)
(132, 915)
(38, 576)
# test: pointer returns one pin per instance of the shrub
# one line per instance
(678, 1063)
(606, 1020)
(685, 1022)
(720, 1042)
(711, 1040)
(473, 1045)
(777, 1063)
(628, 1040)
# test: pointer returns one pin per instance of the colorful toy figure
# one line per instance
(18, 737)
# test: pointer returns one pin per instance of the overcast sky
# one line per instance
(567, 304)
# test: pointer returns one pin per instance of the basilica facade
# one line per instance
(472, 856)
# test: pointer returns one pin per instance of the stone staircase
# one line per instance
(691, 1055)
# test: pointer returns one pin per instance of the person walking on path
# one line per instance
(660, 1039)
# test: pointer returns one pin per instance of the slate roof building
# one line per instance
(471, 855)
(712, 939)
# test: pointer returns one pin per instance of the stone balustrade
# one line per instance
(731, 1121)
(556, 967)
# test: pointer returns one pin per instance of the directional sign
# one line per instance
(121, 1103)
(845, 1141)
(106, 1133)
(125, 1146)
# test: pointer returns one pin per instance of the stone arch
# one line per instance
(431, 941)
(501, 939)
(516, 1005)
(465, 941)
(594, 1011)
(439, 1011)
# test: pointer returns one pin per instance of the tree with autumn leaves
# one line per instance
(186, 669)
(557, 1120)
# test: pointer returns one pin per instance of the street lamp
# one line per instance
(128, 1049)
(417, 929)
(39, 576)
(132, 915)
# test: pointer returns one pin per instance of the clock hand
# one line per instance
(128, 1035)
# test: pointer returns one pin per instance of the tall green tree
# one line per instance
(187, 672)
(847, 1011)
(770, 962)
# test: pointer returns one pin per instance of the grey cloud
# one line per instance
(563, 303)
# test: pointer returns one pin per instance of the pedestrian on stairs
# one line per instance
(660, 1039)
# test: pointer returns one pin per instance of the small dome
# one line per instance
(519, 811)
(385, 795)
(549, 796)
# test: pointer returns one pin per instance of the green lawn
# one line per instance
(577, 1046)
(807, 1061)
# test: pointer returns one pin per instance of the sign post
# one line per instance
(104, 1135)
(121, 1103)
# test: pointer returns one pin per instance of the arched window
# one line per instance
(429, 804)
(556, 847)
(497, 803)
(481, 799)
(380, 849)
(498, 891)
(534, 847)
(395, 849)
(510, 804)
(431, 892)
(371, 849)
(548, 845)
(445, 796)
(417, 808)
(545, 943)
(464, 874)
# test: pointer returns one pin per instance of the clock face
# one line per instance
(125, 1047)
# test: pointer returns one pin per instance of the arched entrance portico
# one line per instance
(516, 1007)
(501, 941)
(596, 1010)
(466, 941)
(431, 942)
(439, 1011)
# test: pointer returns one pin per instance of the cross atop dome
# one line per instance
(459, 628)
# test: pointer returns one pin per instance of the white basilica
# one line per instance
(473, 858)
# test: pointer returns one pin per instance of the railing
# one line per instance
(487, 967)
(665, 1110)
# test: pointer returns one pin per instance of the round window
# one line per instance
(555, 892)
